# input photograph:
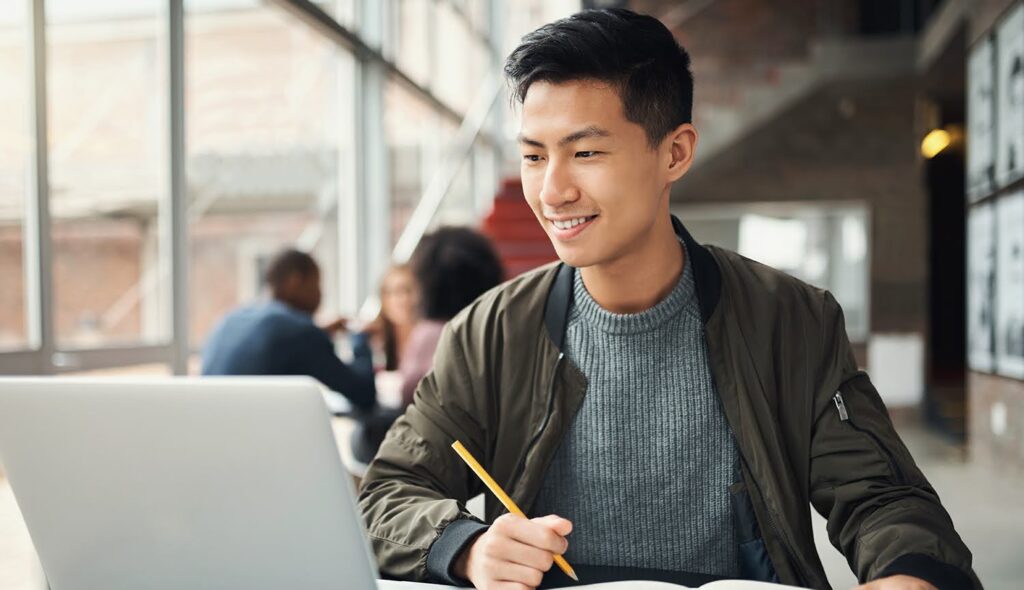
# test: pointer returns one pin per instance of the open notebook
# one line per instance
(623, 585)
(717, 585)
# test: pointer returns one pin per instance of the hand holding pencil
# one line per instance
(515, 551)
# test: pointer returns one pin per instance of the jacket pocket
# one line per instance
(846, 416)
(754, 562)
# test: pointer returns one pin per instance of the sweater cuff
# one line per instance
(448, 546)
(941, 575)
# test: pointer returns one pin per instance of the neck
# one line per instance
(402, 332)
(292, 305)
(641, 278)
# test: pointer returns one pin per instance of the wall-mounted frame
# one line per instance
(981, 120)
(1009, 317)
(1010, 103)
(981, 286)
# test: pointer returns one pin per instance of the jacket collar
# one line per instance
(706, 275)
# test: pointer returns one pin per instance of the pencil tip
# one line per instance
(573, 576)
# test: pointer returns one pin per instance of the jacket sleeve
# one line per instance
(413, 498)
(882, 513)
(315, 357)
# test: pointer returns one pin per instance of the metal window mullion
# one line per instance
(20, 362)
(176, 207)
(110, 357)
(496, 27)
(373, 192)
(38, 244)
(348, 193)
(374, 181)
(433, 24)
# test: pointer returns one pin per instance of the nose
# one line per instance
(559, 187)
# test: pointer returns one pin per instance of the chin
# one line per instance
(576, 257)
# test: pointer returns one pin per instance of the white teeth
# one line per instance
(569, 223)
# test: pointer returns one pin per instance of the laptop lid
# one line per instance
(178, 483)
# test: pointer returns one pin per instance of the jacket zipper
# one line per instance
(844, 416)
(776, 530)
(544, 422)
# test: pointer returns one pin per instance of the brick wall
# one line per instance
(996, 420)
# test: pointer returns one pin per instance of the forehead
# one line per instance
(550, 108)
(398, 276)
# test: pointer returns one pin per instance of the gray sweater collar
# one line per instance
(681, 298)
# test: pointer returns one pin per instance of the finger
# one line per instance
(527, 555)
(500, 547)
(534, 531)
(507, 586)
(538, 535)
(518, 574)
(560, 525)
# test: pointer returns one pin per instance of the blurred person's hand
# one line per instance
(339, 324)
(375, 327)
(514, 552)
(897, 583)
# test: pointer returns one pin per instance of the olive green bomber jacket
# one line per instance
(810, 428)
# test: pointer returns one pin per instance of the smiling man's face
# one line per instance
(589, 174)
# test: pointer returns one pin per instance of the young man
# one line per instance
(279, 337)
(673, 406)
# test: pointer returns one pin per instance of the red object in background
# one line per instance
(511, 225)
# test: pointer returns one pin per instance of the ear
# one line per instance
(681, 147)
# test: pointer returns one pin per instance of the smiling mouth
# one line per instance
(571, 223)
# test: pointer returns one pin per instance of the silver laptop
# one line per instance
(226, 483)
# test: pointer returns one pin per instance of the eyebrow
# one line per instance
(590, 131)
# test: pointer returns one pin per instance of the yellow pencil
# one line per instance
(503, 497)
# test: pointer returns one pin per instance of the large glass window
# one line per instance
(107, 109)
(823, 244)
(457, 85)
(16, 147)
(485, 177)
(413, 39)
(417, 138)
(269, 136)
(344, 11)
(478, 12)
(458, 206)
(270, 132)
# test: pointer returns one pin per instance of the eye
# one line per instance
(531, 158)
(587, 154)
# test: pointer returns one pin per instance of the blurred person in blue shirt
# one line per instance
(279, 337)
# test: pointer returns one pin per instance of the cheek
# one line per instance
(628, 197)
(612, 188)
(531, 192)
(406, 304)
(531, 181)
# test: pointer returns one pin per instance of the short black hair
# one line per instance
(634, 52)
(454, 266)
(288, 262)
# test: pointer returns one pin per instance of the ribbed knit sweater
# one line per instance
(644, 470)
